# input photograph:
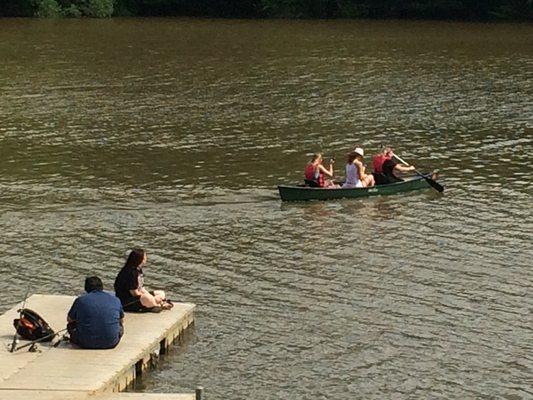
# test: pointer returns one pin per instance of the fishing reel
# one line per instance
(34, 348)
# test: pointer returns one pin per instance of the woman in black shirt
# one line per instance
(129, 286)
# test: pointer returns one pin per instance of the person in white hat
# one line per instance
(356, 177)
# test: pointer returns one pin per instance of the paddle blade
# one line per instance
(435, 185)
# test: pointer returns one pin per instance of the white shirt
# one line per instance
(352, 177)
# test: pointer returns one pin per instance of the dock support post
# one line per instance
(199, 393)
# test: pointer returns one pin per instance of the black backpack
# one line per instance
(32, 326)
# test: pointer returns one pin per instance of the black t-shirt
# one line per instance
(388, 166)
(128, 279)
(388, 171)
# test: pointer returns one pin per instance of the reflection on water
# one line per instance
(172, 134)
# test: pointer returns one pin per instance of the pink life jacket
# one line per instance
(311, 176)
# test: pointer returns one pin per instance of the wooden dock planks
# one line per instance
(69, 395)
(68, 370)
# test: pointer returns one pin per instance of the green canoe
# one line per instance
(304, 193)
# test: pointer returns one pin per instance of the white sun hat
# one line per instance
(359, 151)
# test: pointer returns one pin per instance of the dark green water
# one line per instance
(172, 134)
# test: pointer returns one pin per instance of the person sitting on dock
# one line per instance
(315, 171)
(356, 177)
(129, 287)
(95, 320)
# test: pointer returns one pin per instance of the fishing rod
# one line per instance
(15, 336)
(43, 339)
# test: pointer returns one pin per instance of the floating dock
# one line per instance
(67, 372)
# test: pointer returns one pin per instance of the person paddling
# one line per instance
(385, 167)
(315, 172)
(391, 167)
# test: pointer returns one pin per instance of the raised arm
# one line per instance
(328, 172)
(360, 169)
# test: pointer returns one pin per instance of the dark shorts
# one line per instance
(382, 179)
(132, 304)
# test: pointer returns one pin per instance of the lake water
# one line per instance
(172, 134)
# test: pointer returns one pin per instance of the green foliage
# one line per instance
(72, 12)
(95, 8)
(301, 8)
(514, 9)
(47, 9)
(126, 8)
(283, 9)
(414, 9)
(349, 10)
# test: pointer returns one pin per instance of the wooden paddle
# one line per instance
(434, 184)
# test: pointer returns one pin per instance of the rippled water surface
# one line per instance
(173, 134)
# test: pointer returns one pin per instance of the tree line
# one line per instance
(379, 9)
